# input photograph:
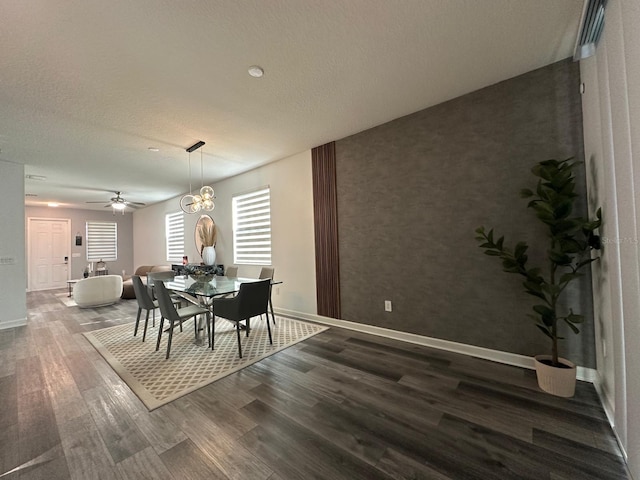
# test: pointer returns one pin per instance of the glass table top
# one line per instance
(210, 288)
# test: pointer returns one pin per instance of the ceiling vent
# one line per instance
(591, 26)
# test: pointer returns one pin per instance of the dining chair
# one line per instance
(231, 272)
(153, 277)
(268, 272)
(145, 302)
(252, 300)
(177, 316)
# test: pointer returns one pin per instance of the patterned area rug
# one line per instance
(157, 381)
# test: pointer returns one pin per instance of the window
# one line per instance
(102, 241)
(174, 232)
(252, 228)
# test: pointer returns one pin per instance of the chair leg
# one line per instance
(159, 333)
(154, 318)
(146, 322)
(238, 335)
(269, 329)
(213, 330)
(170, 338)
(247, 323)
(209, 329)
(135, 330)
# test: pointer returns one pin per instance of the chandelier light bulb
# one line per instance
(208, 205)
(206, 192)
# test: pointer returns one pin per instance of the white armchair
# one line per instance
(97, 291)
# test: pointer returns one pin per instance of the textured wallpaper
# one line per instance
(412, 191)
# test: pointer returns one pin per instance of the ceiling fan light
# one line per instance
(119, 206)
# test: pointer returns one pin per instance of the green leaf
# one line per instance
(526, 193)
(544, 330)
(492, 253)
(480, 230)
(536, 294)
(575, 318)
(559, 258)
(533, 286)
(521, 247)
(490, 236)
(572, 326)
(547, 314)
(563, 210)
(486, 245)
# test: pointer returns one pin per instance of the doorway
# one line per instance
(48, 252)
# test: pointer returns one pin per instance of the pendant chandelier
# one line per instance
(203, 201)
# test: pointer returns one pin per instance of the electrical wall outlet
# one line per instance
(387, 306)
(7, 261)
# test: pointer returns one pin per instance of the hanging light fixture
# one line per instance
(190, 203)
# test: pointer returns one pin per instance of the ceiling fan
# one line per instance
(119, 203)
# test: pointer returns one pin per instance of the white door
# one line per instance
(49, 252)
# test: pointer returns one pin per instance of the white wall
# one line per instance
(293, 253)
(79, 219)
(611, 110)
(13, 277)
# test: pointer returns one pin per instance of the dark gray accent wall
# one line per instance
(412, 191)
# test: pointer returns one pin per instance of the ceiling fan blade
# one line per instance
(101, 201)
(139, 204)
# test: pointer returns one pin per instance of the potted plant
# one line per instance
(571, 240)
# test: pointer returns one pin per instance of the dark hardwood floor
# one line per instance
(341, 405)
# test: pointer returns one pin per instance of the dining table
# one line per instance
(193, 288)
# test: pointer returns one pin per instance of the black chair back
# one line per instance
(252, 300)
(142, 294)
(167, 308)
(267, 272)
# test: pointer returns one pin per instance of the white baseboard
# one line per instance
(609, 410)
(582, 373)
(18, 322)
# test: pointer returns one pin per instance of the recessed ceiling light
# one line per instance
(153, 149)
(53, 204)
(256, 71)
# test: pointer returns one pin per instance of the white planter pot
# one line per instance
(209, 255)
(557, 381)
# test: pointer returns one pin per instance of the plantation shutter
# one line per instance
(174, 232)
(252, 228)
(102, 241)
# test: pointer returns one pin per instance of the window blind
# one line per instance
(174, 232)
(102, 241)
(252, 228)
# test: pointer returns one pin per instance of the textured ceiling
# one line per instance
(86, 87)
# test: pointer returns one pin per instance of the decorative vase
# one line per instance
(559, 381)
(209, 255)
